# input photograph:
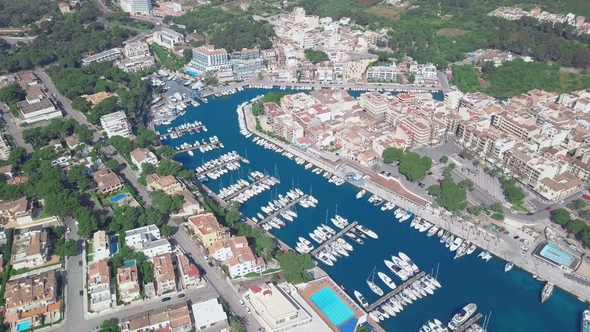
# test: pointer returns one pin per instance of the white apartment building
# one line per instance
(148, 240)
(207, 58)
(375, 104)
(108, 55)
(116, 124)
(138, 58)
(141, 155)
(4, 149)
(99, 287)
(210, 316)
(237, 256)
(101, 246)
(136, 7)
(382, 73)
(168, 38)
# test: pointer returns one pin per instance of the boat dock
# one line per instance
(192, 148)
(181, 131)
(237, 193)
(218, 166)
(286, 207)
(330, 240)
(470, 322)
(396, 291)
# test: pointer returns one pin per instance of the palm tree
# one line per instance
(236, 324)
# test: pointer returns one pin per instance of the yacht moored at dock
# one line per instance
(462, 316)
(547, 291)
(361, 299)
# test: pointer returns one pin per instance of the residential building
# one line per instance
(3, 238)
(246, 62)
(522, 126)
(210, 316)
(191, 205)
(101, 246)
(168, 8)
(164, 276)
(138, 57)
(136, 7)
(531, 168)
(128, 283)
(19, 210)
(168, 38)
(207, 58)
(382, 74)
(107, 181)
(179, 317)
(108, 55)
(169, 184)
(72, 141)
(29, 249)
(275, 309)
(38, 108)
(141, 155)
(559, 187)
(99, 286)
(354, 71)
(7, 171)
(64, 7)
(34, 294)
(207, 229)
(148, 240)
(188, 274)
(375, 104)
(237, 256)
(116, 124)
(4, 149)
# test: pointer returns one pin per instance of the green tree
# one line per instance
(411, 78)
(166, 230)
(165, 203)
(488, 68)
(561, 216)
(444, 159)
(112, 164)
(187, 55)
(295, 266)
(391, 155)
(17, 156)
(580, 204)
(123, 145)
(168, 167)
(361, 328)
(11, 94)
(450, 196)
(85, 135)
(414, 167)
(110, 325)
(65, 249)
(145, 137)
(165, 151)
(236, 324)
(147, 272)
(316, 56)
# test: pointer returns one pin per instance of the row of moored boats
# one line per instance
(283, 207)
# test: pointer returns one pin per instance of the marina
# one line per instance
(332, 239)
(465, 279)
(217, 164)
(469, 323)
(248, 187)
(394, 292)
(192, 128)
(201, 147)
(288, 206)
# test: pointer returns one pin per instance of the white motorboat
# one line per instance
(329, 229)
(361, 299)
(361, 193)
(409, 261)
(401, 263)
(386, 280)
(432, 280)
(462, 316)
(315, 238)
(406, 216)
(322, 258)
(367, 231)
(339, 249)
(371, 282)
(440, 233)
(425, 226)
(450, 241)
(398, 271)
(456, 244)
(471, 249)
(344, 244)
(461, 251)
(508, 266)
(432, 231)
(306, 242)
(399, 213)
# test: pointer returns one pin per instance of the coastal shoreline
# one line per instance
(484, 239)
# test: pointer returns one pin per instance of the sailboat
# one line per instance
(376, 289)
(547, 292)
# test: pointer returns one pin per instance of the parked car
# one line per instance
(181, 296)
(561, 202)
(68, 230)
(242, 303)
(548, 208)
(81, 292)
(513, 212)
(166, 299)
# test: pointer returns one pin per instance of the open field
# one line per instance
(390, 12)
(367, 2)
(451, 32)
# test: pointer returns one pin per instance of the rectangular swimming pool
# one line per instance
(129, 263)
(22, 326)
(558, 255)
(332, 306)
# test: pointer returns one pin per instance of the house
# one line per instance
(168, 38)
(179, 317)
(210, 316)
(107, 181)
(72, 141)
(188, 274)
(116, 124)
(101, 246)
(7, 171)
(237, 256)
(108, 55)
(148, 240)
(99, 286)
(128, 283)
(39, 109)
(30, 296)
(207, 229)
(141, 155)
(190, 206)
(64, 7)
(4, 149)
(30, 249)
(164, 274)
(169, 184)
(19, 210)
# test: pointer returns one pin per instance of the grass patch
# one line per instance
(269, 271)
(448, 32)
(367, 2)
(252, 275)
(135, 25)
(168, 59)
(520, 208)
(390, 12)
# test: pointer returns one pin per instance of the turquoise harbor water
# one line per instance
(512, 298)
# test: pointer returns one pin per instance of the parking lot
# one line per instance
(490, 185)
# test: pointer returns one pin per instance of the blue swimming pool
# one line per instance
(22, 326)
(114, 247)
(558, 255)
(332, 306)
(118, 198)
(190, 72)
(129, 263)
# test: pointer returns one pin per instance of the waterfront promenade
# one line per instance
(500, 245)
